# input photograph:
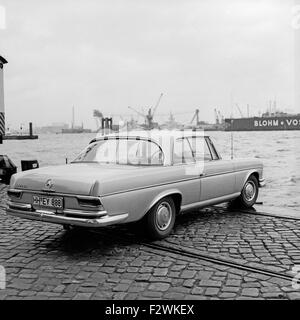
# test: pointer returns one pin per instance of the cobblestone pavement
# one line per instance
(44, 262)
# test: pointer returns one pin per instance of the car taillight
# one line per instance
(14, 193)
(91, 202)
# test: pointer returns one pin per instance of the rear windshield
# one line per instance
(122, 151)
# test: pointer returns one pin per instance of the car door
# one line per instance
(218, 177)
(184, 163)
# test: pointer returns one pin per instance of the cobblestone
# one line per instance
(44, 262)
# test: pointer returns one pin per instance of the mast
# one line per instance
(73, 117)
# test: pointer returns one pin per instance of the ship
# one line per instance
(75, 129)
(268, 121)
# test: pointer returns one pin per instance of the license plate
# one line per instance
(49, 202)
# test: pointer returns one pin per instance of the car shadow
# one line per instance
(111, 240)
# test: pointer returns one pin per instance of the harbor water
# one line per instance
(279, 151)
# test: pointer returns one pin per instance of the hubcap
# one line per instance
(249, 190)
(163, 216)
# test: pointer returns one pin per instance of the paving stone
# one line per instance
(210, 283)
(212, 291)
(197, 291)
(227, 295)
(174, 296)
(230, 289)
(44, 262)
(160, 272)
(159, 286)
(294, 295)
(250, 292)
(188, 274)
(189, 283)
(121, 287)
(82, 296)
(233, 283)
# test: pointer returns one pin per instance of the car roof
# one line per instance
(155, 135)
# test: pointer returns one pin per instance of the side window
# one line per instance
(140, 152)
(200, 149)
(207, 154)
(182, 152)
(212, 149)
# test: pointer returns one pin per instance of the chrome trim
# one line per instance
(81, 213)
(37, 192)
(262, 182)
(21, 206)
(46, 216)
(203, 176)
(209, 202)
(149, 187)
(25, 207)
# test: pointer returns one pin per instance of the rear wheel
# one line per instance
(249, 193)
(161, 218)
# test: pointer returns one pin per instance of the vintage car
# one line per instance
(144, 177)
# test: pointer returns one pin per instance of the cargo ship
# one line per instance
(267, 122)
(76, 130)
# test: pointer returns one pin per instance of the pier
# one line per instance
(29, 136)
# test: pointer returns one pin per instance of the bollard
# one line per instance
(30, 129)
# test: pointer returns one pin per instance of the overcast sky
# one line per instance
(118, 53)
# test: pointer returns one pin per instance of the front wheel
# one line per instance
(161, 218)
(249, 193)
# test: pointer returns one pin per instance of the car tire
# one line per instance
(248, 194)
(160, 220)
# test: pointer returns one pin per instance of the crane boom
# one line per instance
(138, 112)
(157, 104)
(240, 111)
(196, 115)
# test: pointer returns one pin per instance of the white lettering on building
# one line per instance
(275, 123)
(266, 123)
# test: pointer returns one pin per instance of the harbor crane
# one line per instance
(196, 116)
(240, 111)
(149, 123)
(217, 116)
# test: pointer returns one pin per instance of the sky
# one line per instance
(108, 55)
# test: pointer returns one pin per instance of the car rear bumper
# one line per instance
(102, 219)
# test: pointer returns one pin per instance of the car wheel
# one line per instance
(161, 218)
(249, 193)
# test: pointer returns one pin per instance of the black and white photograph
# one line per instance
(149, 150)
